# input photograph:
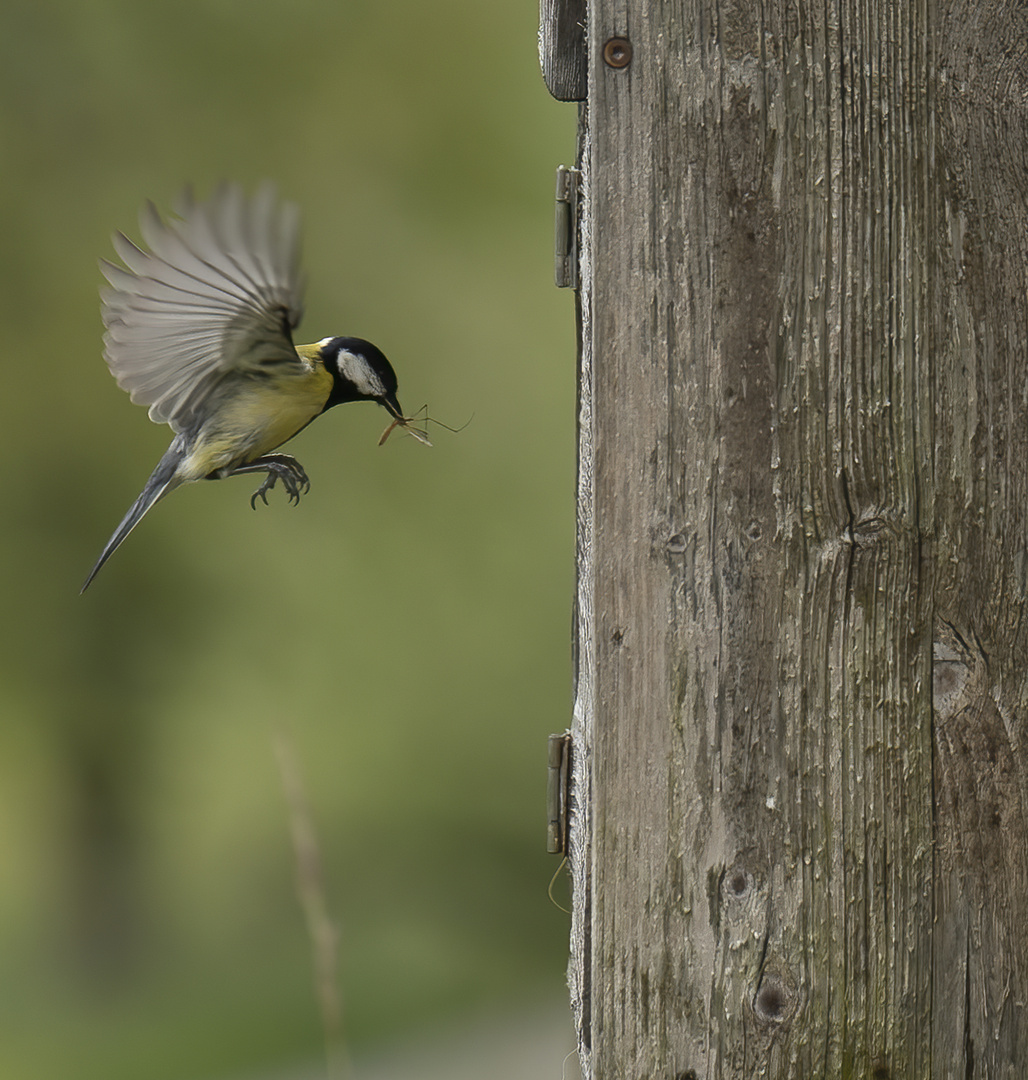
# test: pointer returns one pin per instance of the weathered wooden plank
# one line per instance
(562, 48)
(803, 467)
(980, 346)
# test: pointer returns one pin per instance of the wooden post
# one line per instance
(803, 490)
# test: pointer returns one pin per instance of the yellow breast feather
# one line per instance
(258, 417)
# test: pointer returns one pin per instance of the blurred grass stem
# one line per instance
(310, 889)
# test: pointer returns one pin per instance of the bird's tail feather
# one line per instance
(162, 481)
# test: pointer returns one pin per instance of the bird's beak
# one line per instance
(390, 402)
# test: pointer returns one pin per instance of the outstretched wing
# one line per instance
(218, 291)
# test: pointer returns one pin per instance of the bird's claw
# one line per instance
(296, 483)
(289, 471)
(262, 492)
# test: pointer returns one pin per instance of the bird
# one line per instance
(200, 329)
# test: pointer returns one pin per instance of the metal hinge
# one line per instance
(565, 229)
(558, 779)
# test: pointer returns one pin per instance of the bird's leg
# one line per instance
(278, 467)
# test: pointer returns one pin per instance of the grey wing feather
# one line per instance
(219, 291)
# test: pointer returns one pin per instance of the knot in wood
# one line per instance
(737, 883)
(774, 1001)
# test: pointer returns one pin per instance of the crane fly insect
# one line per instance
(407, 422)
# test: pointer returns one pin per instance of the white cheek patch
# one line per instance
(361, 374)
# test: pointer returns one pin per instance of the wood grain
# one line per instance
(803, 472)
(562, 48)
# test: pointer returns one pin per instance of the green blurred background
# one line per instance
(408, 625)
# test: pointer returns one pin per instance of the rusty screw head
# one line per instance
(617, 53)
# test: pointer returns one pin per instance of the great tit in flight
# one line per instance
(199, 328)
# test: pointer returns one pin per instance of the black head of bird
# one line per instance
(199, 328)
(361, 373)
